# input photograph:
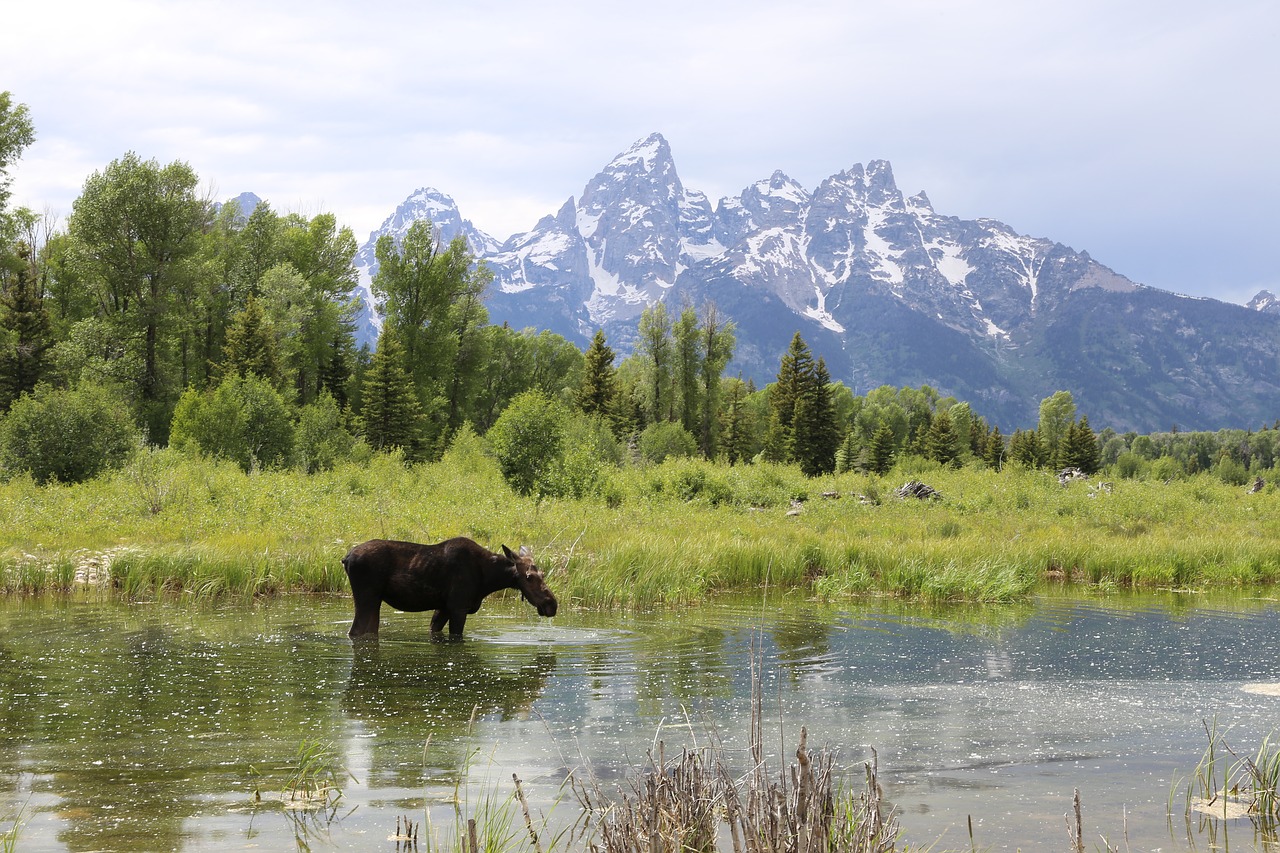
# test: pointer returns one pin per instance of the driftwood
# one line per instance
(917, 489)
(1066, 475)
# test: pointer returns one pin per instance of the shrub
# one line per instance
(665, 440)
(244, 420)
(66, 435)
(322, 440)
(528, 441)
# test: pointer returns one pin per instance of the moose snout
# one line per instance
(547, 608)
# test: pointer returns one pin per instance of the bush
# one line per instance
(66, 435)
(244, 420)
(666, 440)
(322, 440)
(528, 441)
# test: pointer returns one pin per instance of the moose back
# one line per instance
(451, 578)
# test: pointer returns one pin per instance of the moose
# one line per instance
(451, 578)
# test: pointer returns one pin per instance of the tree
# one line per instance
(993, 452)
(665, 440)
(596, 393)
(1026, 449)
(687, 346)
(737, 427)
(815, 436)
(66, 435)
(794, 373)
(251, 345)
(1080, 448)
(25, 330)
(16, 133)
(135, 226)
(881, 450)
(528, 441)
(243, 420)
(941, 444)
(390, 414)
(1057, 413)
(654, 349)
(717, 350)
(321, 439)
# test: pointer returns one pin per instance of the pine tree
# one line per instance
(794, 373)
(25, 332)
(1026, 449)
(391, 415)
(1080, 448)
(736, 428)
(250, 349)
(881, 450)
(993, 452)
(941, 443)
(598, 390)
(815, 434)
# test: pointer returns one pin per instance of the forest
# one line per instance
(155, 317)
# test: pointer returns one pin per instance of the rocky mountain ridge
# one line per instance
(887, 290)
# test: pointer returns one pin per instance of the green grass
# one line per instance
(668, 534)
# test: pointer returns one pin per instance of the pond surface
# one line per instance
(151, 726)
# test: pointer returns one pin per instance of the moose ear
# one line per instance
(507, 551)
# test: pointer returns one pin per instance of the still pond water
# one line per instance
(150, 726)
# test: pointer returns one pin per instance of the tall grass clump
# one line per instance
(1227, 784)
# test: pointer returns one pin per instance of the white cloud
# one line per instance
(1139, 131)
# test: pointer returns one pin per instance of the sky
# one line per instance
(1143, 131)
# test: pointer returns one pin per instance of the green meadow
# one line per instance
(665, 534)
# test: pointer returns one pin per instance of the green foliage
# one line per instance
(666, 440)
(529, 442)
(322, 439)
(135, 229)
(16, 133)
(598, 390)
(244, 420)
(881, 450)
(65, 435)
(390, 414)
(250, 349)
(25, 329)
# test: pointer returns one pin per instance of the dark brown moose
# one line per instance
(451, 578)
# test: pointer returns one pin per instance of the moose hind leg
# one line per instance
(456, 622)
(438, 620)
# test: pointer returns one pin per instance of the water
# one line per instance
(151, 726)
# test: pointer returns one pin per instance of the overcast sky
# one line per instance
(1146, 133)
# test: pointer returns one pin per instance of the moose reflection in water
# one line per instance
(451, 578)
(434, 690)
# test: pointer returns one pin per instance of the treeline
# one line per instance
(154, 317)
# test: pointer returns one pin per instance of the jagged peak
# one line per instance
(647, 153)
(1264, 300)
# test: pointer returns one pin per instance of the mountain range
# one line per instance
(884, 288)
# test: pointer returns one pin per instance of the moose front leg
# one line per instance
(438, 620)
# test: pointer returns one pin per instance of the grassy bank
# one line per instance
(666, 534)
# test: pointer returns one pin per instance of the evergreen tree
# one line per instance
(881, 450)
(736, 427)
(25, 332)
(390, 414)
(993, 452)
(250, 349)
(795, 372)
(815, 435)
(596, 394)
(1026, 449)
(1080, 448)
(941, 443)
